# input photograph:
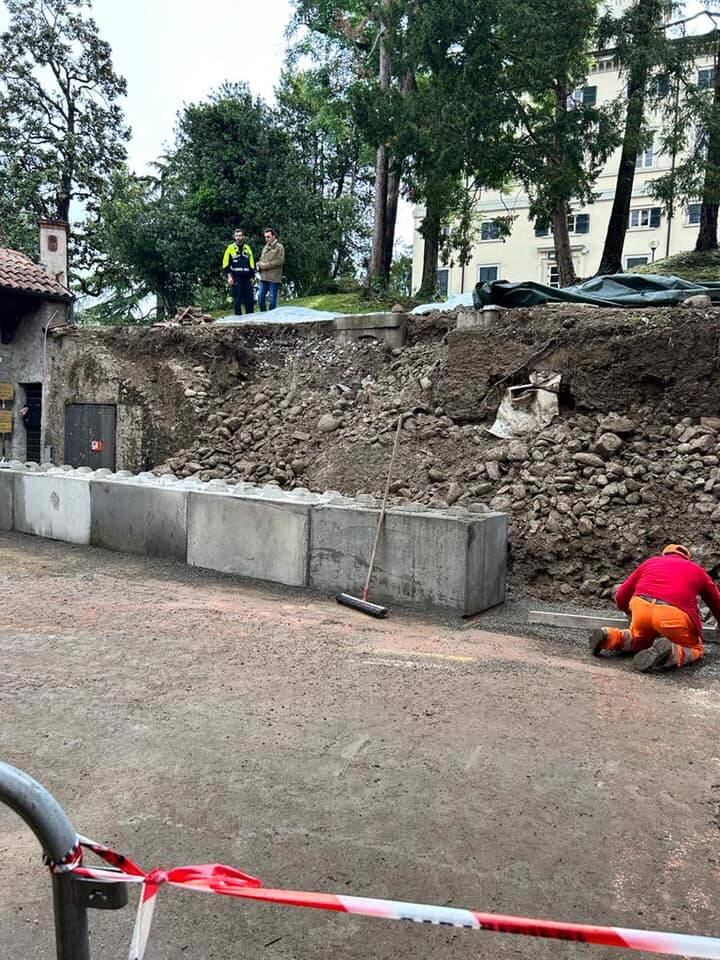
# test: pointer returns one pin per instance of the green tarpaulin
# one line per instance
(618, 290)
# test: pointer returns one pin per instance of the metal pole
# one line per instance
(48, 821)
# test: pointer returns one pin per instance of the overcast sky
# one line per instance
(176, 51)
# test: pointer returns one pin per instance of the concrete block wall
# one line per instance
(7, 502)
(452, 559)
(54, 504)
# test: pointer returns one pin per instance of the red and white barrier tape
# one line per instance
(216, 878)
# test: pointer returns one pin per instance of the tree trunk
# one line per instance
(561, 236)
(393, 196)
(563, 254)
(430, 232)
(708, 233)
(377, 252)
(611, 260)
(65, 192)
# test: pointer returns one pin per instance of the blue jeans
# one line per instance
(271, 287)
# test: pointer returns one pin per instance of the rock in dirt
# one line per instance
(454, 493)
(608, 444)
(328, 423)
(697, 300)
(613, 423)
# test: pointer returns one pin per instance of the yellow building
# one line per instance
(528, 253)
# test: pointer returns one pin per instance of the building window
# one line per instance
(488, 274)
(587, 96)
(443, 282)
(52, 243)
(706, 77)
(552, 275)
(604, 64)
(693, 214)
(645, 218)
(577, 223)
(490, 230)
(644, 158)
(638, 261)
(659, 86)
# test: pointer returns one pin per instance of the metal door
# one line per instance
(90, 435)
(33, 400)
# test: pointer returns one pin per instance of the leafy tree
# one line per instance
(561, 142)
(232, 165)
(496, 102)
(61, 126)
(691, 134)
(315, 110)
(375, 34)
(456, 134)
(151, 246)
(641, 46)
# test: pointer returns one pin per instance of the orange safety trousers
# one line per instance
(650, 619)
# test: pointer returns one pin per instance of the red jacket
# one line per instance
(675, 580)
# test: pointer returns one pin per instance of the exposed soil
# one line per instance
(630, 463)
(183, 717)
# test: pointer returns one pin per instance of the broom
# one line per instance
(362, 603)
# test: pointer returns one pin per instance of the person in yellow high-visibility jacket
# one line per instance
(239, 267)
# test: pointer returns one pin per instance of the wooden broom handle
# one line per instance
(382, 509)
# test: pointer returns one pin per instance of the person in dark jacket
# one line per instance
(239, 268)
(32, 415)
(661, 597)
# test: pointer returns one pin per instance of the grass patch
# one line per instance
(689, 265)
(351, 301)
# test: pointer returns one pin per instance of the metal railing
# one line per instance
(71, 896)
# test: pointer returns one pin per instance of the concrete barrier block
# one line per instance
(7, 511)
(139, 518)
(426, 558)
(261, 538)
(56, 506)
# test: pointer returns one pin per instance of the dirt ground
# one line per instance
(184, 717)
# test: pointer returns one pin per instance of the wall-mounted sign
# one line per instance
(6, 423)
(96, 446)
(7, 391)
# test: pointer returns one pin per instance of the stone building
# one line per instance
(33, 298)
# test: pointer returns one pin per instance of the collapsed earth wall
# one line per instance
(630, 462)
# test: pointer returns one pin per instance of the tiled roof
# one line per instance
(19, 273)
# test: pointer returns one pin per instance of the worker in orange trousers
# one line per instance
(661, 598)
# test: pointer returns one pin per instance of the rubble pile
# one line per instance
(592, 495)
(587, 497)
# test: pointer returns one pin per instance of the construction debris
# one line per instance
(187, 317)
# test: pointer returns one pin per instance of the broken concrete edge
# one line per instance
(579, 621)
(391, 328)
(451, 558)
(371, 321)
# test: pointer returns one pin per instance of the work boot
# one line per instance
(654, 656)
(598, 639)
